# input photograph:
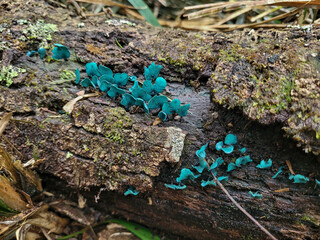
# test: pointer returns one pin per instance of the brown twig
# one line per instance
(290, 167)
(78, 8)
(242, 209)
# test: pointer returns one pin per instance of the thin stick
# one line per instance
(241, 208)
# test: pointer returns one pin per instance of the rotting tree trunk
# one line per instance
(263, 86)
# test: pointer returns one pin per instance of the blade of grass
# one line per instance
(263, 14)
(234, 15)
(106, 2)
(145, 11)
(221, 7)
(269, 20)
(142, 232)
(217, 7)
(5, 210)
(74, 234)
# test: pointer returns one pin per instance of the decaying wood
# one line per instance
(109, 148)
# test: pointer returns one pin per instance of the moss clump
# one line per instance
(115, 135)
(243, 79)
(174, 51)
(8, 73)
(272, 82)
(310, 219)
(5, 45)
(67, 75)
(231, 55)
(117, 119)
(40, 31)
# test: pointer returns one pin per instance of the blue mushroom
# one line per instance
(87, 83)
(92, 69)
(186, 174)
(171, 107)
(95, 80)
(151, 72)
(141, 103)
(175, 187)
(230, 139)
(135, 86)
(219, 145)
(209, 182)
(42, 52)
(223, 178)
(77, 76)
(217, 163)
(129, 100)
(255, 195)
(175, 107)
(104, 85)
(279, 171)
(157, 102)
(103, 70)
(141, 93)
(318, 182)
(121, 79)
(132, 78)
(243, 150)
(201, 154)
(263, 164)
(243, 160)
(231, 166)
(131, 191)
(31, 53)
(152, 89)
(182, 111)
(115, 91)
(60, 52)
(298, 178)
(163, 116)
(225, 148)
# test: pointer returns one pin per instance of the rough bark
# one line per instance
(113, 148)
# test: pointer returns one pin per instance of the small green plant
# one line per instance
(8, 73)
(67, 75)
(39, 31)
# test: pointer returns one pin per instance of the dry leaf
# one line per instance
(50, 221)
(30, 176)
(4, 121)
(70, 105)
(6, 165)
(72, 212)
(81, 201)
(10, 197)
(157, 121)
(22, 231)
(81, 93)
(32, 236)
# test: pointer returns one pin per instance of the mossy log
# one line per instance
(262, 86)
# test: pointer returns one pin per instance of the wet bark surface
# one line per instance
(101, 149)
